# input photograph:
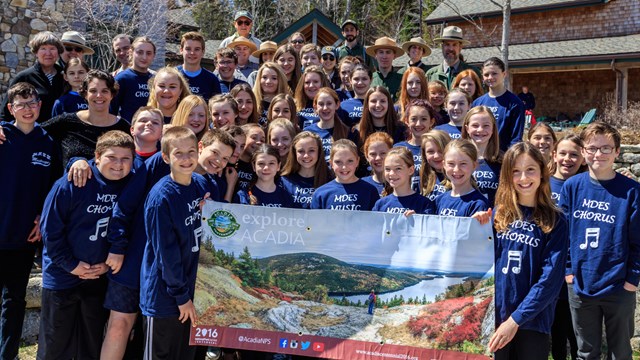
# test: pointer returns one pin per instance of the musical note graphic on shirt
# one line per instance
(515, 256)
(198, 235)
(100, 224)
(590, 234)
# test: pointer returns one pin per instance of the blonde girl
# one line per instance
(432, 158)
(346, 192)
(304, 171)
(193, 113)
(398, 196)
(166, 89)
(463, 198)
(270, 82)
(542, 136)
(280, 134)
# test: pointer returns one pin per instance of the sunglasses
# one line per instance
(76, 49)
(328, 57)
(243, 22)
(297, 41)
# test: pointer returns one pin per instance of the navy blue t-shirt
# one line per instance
(278, 198)
(453, 131)
(353, 110)
(463, 206)
(378, 185)
(300, 189)
(487, 176)
(417, 161)
(400, 204)
(333, 195)
(70, 102)
(205, 83)
(509, 113)
(133, 93)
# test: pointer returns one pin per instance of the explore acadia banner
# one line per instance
(343, 284)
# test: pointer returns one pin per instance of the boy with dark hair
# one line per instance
(27, 156)
(76, 253)
(201, 81)
(173, 225)
(603, 209)
(226, 63)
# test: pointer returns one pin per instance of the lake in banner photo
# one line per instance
(343, 285)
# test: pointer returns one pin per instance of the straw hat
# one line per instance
(452, 33)
(266, 46)
(74, 38)
(417, 41)
(241, 40)
(384, 43)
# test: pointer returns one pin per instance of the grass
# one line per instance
(28, 352)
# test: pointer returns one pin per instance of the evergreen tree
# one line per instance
(214, 17)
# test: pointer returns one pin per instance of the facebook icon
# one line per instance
(284, 343)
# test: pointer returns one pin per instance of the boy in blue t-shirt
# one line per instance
(603, 210)
(27, 156)
(201, 81)
(77, 254)
(174, 230)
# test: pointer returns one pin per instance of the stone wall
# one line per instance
(614, 18)
(20, 20)
(629, 159)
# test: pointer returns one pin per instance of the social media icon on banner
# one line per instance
(284, 343)
(305, 345)
(318, 346)
(293, 344)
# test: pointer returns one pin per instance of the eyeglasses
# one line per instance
(243, 22)
(298, 41)
(328, 57)
(72, 48)
(225, 63)
(592, 150)
(21, 106)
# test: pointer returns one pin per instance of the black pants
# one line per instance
(167, 338)
(526, 345)
(561, 331)
(617, 310)
(72, 321)
(15, 267)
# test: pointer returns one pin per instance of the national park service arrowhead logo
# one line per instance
(223, 223)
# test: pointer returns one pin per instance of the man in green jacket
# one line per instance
(385, 50)
(452, 43)
(352, 45)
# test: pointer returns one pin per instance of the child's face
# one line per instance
(458, 167)
(266, 167)
(168, 89)
(543, 140)
(419, 121)
(480, 128)
(360, 82)
(269, 81)
(281, 140)
(527, 176)
(255, 138)
(436, 97)
(226, 67)
(25, 110)
(397, 172)
(281, 109)
(468, 85)
(183, 157)
(378, 105)
(192, 52)
(310, 58)
(222, 114)
(326, 107)
(143, 55)
(214, 157)
(457, 107)
(594, 153)
(568, 158)
(414, 85)
(148, 127)
(328, 62)
(307, 153)
(345, 73)
(312, 83)
(240, 143)
(376, 152)
(493, 76)
(245, 105)
(288, 63)
(197, 119)
(114, 163)
(434, 155)
(344, 164)
(75, 76)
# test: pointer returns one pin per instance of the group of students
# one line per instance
(121, 228)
